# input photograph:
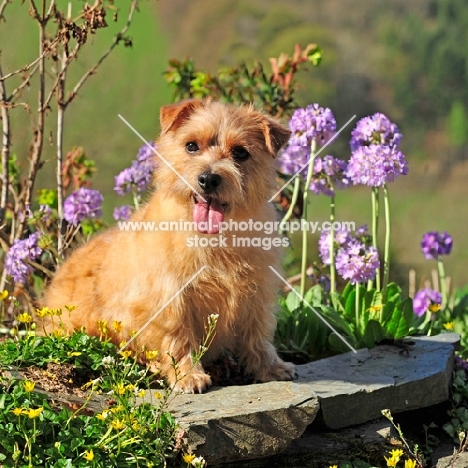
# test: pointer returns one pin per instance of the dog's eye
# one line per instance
(240, 153)
(192, 147)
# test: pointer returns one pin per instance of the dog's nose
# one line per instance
(208, 181)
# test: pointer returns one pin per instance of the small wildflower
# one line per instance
(130, 387)
(24, 318)
(395, 457)
(141, 393)
(150, 355)
(117, 409)
(117, 424)
(410, 463)
(17, 411)
(158, 395)
(73, 353)
(88, 455)
(34, 413)
(117, 325)
(122, 213)
(119, 388)
(188, 457)
(29, 386)
(102, 326)
(425, 299)
(434, 244)
(20, 254)
(133, 333)
(102, 416)
(198, 462)
(3, 295)
(70, 308)
(449, 325)
(82, 204)
(42, 312)
(333, 466)
(125, 354)
(58, 332)
(108, 361)
(122, 344)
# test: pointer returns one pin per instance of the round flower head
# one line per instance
(329, 174)
(82, 204)
(376, 165)
(424, 299)
(293, 158)
(356, 262)
(312, 123)
(434, 244)
(122, 213)
(375, 130)
(20, 253)
(341, 238)
(139, 174)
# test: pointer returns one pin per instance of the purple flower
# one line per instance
(376, 165)
(424, 298)
(81, 204)
(139, 174)
(329, 174)
(341, 238)
(435, 243)
(375, 130)
(20, 253)
(292, 158)
(122, 213)
(356, 262)
(312, 123)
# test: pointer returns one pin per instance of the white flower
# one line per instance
(108, 361)
(198, 462)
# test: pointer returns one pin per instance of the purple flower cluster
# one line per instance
(424, 298)
(122, 213)
(375, 158)
(375, 130)
(434, 244)
(292, 158)
(82, 204)
(356, 262)
(311, 123)
(20, 253)
(341, 238)
(329, 174)
(139, 174)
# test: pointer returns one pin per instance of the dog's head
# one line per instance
(219, 159)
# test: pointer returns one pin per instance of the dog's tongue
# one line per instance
(208, 216)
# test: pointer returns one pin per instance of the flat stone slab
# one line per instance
(245, 422)
(355, 387)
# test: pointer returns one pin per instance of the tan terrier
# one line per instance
(221, 168)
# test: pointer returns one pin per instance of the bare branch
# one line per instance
(5, 150)
(2, 8)
(29, 65)
(24, 83)
(117, 40)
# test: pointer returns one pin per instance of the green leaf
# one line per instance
(314, 296)
(315, 56)
(293, 301)
(48, 197)
(374, 333)
(402, 320)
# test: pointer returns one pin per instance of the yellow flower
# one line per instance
(395, 458)
(88, 455)
(3, 295)
(333, 466)
(119, 388)
(73, 353)
(117, 409)
(125, 354)
(70, 308)
(150, 355)
(133, 333)
(130, 387)
(24, 318)
(102, 326)
(188, 458)
(434, 307)
(410, 463)
(17, 411)
(122, 344)
(43, 312)
(117, 325)
(449, 325)
(58, 332)
(117, 424)
(34, 413)
(57, 312)
(29, 386)
(141, 393)
(103, 415)
(158, 395)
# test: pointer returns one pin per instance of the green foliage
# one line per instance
(458, 124)
(457, 427)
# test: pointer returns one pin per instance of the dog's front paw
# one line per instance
(194, 382)
(280, 370)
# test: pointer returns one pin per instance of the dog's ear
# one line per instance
(174, 115)
(276, 135)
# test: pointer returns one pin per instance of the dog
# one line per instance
(217, 165)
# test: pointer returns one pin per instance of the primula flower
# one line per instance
(138, 175)
(342, 237)
(357, 263)
(329, 174)
(82, 204)
(294, 158)
(375, 130)
(424, 299)
(434, 244)
(376, 165)
(122, 213)
(20, 254)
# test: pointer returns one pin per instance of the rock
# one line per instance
(459, 460)
(356, 387)
(245, 422)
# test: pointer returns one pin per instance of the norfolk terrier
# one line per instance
(217, 165)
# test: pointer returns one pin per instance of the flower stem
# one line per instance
(375, 227)
(295, 194)
(310, 172)
(332, 246)
(387, 239)
(443, 283)
(357, 306)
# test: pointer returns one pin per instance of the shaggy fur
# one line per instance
(129, 276)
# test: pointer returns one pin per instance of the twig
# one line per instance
(5, 150)
(2, 8)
